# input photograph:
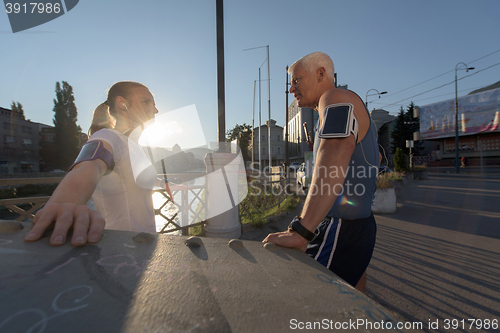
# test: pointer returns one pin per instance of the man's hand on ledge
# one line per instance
(88, 225)
(287, 239)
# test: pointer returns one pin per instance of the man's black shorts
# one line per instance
(344, 246)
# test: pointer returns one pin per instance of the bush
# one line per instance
(422, 167)
(388, 179)
(400, 161)
(7, 193)
(31, 190)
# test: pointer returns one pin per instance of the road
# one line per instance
(438, 257)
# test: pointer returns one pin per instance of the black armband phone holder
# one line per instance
(339, 122)
(93, 150)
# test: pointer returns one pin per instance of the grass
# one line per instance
(388, 179)
(259, 218)
(253, 206)
(420, 167)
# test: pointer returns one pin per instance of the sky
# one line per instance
(407, 48)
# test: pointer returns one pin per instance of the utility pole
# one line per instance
(286, 120)
(221, 99)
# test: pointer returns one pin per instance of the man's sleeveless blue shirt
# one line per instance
(355, 198)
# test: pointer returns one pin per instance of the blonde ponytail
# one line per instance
(101, 119)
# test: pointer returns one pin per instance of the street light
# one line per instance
(268, 98)
(378, 93)
(457, 155)
(286, 119)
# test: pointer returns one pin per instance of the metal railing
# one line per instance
(186, 213)
(36, 202)
(179, 220)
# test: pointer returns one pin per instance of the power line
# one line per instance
(441, 86)
(422, 99)
(438, 75)
(484, 56)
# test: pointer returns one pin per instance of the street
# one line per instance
(437, 259)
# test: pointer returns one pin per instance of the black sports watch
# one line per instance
(296, 226)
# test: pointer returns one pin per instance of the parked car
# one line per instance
(302, 177)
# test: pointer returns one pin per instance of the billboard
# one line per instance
(477, 113)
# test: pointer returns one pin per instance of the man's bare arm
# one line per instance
(332, 153)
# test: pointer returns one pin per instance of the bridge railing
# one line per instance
(190, 208)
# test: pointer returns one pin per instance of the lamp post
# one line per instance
(286, 119)
(253, 125)
(268, 99)
(378, 93)
(457, 154)
(221, 99)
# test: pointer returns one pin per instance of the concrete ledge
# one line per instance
(134, 283)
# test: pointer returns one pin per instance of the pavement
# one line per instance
(437, 259)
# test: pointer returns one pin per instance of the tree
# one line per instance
(399, 160)
(17, 107)
(244, 135)
(67, 132)
(404, 128)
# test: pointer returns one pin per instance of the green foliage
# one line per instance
(29, 190)
(256, 214)
(67, 132)
(388, 179)
(35, 190)
(422, 167)
(244, 135)
(256, 219)
(290, 203)
(399, 160)
(17, 107)
(7, 193)
(404, 128)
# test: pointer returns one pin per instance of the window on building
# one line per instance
(6, 126)
(9, 151)
(279, 150)
(272, 137)
(263, 138)
(278, 138)
(27, 152)
(9, 139)
(26, 129)
(27, 141)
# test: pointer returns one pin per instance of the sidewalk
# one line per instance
(437, 258)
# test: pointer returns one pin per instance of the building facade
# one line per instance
(26, 146)
(20, 143)
(297, 137)
(478, 128)
(277, 144)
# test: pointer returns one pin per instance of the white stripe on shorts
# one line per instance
(334, 244)
(324, 240)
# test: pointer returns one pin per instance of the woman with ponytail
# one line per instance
(112, 169)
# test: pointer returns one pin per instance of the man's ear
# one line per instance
(320, 73)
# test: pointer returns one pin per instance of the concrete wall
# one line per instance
(156, 283)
